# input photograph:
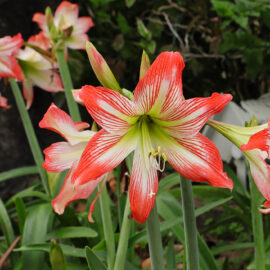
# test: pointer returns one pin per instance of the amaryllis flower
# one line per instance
(254, 142)
(69, 27)
(160, 126)
(3, 102)
(65, 155)
(37, 69)
(8, 64)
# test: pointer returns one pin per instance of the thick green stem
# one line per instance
(192, 251)
(30, 133)
(257, 225)
(154, 240)
(67, 82)
(122, 248)
(107, 227)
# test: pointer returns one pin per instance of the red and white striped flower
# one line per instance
(8, 64)
(65, 155)
(66, 19)
(37, 69)
(159, 125)
(254, 142)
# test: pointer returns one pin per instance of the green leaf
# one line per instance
(21, 212)
(130, 3)
(67, 249)
(94, 263)
(166, 205)
(230, 247)
(29, 192)
(6, 224)
(27, 170)
(57, 258)
(73, 232)
(143, 31)
(7, 228)
(123, 24)
(169, 181)
(35, 229)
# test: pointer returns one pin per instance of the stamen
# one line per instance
(156, 156)
(151, 194)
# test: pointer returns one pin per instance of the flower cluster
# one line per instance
(35, 64)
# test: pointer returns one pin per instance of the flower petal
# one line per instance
(260, 171)
(67, 12)
(47, 80)
(160, 89)
(83, 24)
(28, 93)
(60, 156)
(3, 102)
(143, 186)
(103, 153)
(197, 159)
(101, 68)
(9, 45)
(265, 208)
(61, 123)
(77, 41)
(39, 40)
(70, 193)
(40, 19)
(81, 125)
(10, 68)
(76, 94)
(111, 110)
(189, 118)
(260, 140)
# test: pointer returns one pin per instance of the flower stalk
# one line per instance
(30, 133)
(154, 240)
(121, 253)
(67, 82)
(257, 224)
(191, 240)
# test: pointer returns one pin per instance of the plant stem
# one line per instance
(192, 251)
(154, 240)
(257, 225)
(67, 82)
(107, 227)
(30, 133)
(123, 240)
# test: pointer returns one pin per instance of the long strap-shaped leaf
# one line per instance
(35, 230)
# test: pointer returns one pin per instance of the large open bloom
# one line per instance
(65, 155)
(254, 142)
(8, 64)
(159, 125)
(69, 27)
(37, 69)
